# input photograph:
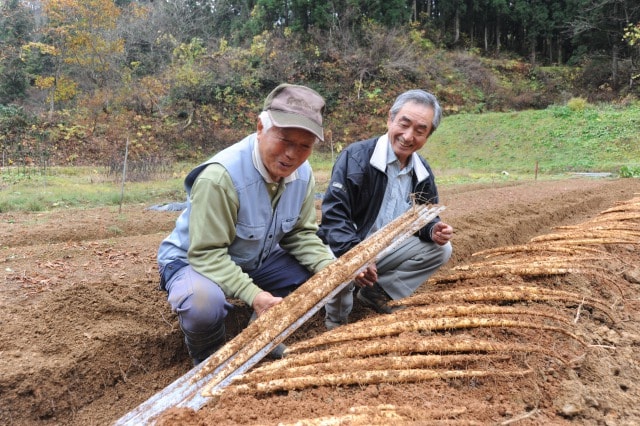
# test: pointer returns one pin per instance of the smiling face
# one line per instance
(410, 129)
(284, 149)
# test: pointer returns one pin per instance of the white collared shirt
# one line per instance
(397, 195)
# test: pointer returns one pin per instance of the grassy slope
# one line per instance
(466, 147)
(561, 140)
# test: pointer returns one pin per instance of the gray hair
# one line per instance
(420, 97)
(266, 121)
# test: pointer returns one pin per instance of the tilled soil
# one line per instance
(87, 337)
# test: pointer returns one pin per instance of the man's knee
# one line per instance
(204, 308)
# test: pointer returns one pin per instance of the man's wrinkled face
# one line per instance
(409, 129)
(284, 149)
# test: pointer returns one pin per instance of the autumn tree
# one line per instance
(83, 48)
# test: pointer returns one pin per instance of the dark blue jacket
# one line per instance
(352, 200)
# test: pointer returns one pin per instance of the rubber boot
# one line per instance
(203, 344)
(278, 351)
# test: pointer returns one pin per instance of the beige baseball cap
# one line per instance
(290, 105)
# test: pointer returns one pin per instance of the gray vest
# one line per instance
(259, 228)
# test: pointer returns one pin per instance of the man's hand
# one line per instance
(263, 301)
(367, 277)
(441, 233)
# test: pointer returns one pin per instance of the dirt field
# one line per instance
(86, 336)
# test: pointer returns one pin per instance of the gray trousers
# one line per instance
(399, 274)
(202, 306)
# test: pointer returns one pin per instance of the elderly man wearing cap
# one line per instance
(249, 228)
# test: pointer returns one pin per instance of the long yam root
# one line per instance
(430, 345)
(519, 270)
(430, 324)
(616, 217)
(450, 310)
(502, 294)
(387, 414)
(536, 248)
(370, 363)
(366, 378)
(532, 262)
(269, 327)
(604, 236)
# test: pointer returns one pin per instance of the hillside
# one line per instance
(188, 120)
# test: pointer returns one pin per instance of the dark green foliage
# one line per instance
(16, 22)
(12, 118)
(598, 28)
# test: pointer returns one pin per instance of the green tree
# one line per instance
(533, 17)
(632, 37)
(450, 15)
(230, 16)
(16, 24)
(349, 15)
(390, 13)
(599, 27)
(494, 17)
(556, 38)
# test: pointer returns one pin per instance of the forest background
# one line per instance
(92, 82)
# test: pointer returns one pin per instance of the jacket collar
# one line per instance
(379, 159)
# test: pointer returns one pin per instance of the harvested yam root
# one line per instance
(371, 363)
(534, 260)
(386, 414)
(365, 378)
(432, 345)
(456, 310)
(386, 361)
(617, 216)
(522, 270)
(604, 236)
(469, 332)
(429, 324)
(538, 248)
(622, 208)
(502, 294)
(615, 226)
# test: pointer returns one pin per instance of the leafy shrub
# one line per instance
(577, 104)
(629, 172)
(11, 117)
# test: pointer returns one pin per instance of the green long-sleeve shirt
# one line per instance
(214, 208)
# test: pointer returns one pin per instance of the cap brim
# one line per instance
(287, 119)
